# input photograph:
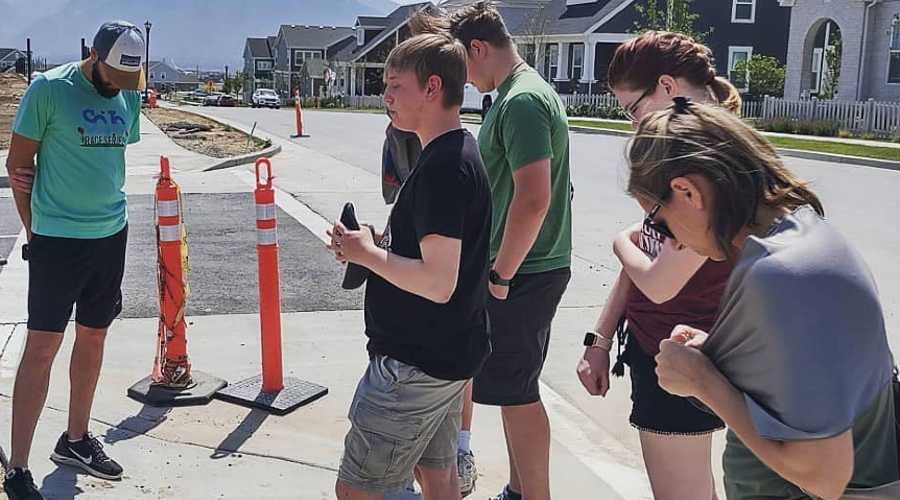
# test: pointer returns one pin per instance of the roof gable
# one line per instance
(313, 37)
(397, 19)
(558, 18)
(259, 48)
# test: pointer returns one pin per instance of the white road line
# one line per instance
(571, 427)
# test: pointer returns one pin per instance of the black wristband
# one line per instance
(497, 280)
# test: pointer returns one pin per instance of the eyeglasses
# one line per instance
(660, 227)
(633, 107)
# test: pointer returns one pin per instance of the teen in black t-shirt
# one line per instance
(426, 295)
(447, 194)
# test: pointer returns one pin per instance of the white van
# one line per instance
(476, 102)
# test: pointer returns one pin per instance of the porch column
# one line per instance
(353, 80)
(588, 74)
(539, 58)
(562, 63)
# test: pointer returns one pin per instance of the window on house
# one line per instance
(577, 65)
(743, 11)
(360, 37)
(264, 65)
(527, 52)
(735, 56)
(551, 60)
(894, 64)
(152, 76)
(163, 76)
(816, 70)
(301, 56)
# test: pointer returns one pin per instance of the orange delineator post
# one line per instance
(299, 113)
(269, 286)
(172, 355)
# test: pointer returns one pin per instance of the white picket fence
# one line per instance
(597, 100)
(864, 117)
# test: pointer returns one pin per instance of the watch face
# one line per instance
(589, 339)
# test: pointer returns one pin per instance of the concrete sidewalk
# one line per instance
(226, 451)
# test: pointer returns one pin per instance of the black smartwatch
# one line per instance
(497, 280)
(25, 252)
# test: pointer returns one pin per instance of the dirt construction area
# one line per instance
(12, 87)
(204, 136)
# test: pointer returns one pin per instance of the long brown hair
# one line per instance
(639, 62)
(742, 166)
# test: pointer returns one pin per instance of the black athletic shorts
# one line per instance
(657, 411)
(67, 272)
(520, 336)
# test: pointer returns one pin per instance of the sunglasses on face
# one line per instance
(631, 110)
(660, 227)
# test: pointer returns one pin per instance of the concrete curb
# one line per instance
(245, 159)
(795, 153)
(235, 161)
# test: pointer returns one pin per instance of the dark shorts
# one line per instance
(65, 272)
(657, 411)
(520, 336)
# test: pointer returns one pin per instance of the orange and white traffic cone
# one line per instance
(298, 111)
(171, 380)
(172, 366)
(271, 391)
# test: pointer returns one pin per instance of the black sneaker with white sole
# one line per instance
(88, 455)
(19, 485)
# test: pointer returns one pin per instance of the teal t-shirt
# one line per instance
(79, 182)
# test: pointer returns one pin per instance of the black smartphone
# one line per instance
(348, 217)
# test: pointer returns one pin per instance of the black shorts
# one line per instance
(657, 411)
(520, 336)
(63, 272)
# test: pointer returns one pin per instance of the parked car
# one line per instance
(476, 102)
(226, 101)
(265, 98)
(212, 99)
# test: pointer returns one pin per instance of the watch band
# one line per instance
(593, 339)
(497, 280)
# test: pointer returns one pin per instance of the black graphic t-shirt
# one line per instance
(447, 194)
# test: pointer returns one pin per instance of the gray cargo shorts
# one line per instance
(400, 417)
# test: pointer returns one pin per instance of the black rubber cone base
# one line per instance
(295, 394)
(199, 393)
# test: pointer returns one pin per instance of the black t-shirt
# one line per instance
(447, 194)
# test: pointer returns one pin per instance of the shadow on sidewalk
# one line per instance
(233, 442)
(146, 420)
(61, 484)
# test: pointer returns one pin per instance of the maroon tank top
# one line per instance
(696, 305)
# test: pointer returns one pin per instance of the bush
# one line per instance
(594, 111)
(822, 128)
(846, 134)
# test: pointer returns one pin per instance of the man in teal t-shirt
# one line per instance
(77, 119)
(524, 142)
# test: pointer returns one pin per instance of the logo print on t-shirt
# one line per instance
(102, 129)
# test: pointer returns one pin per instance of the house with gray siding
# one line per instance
(303, 53)
(869, 59)
(571, 42)
(259, 65)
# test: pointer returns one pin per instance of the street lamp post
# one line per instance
(147, 26)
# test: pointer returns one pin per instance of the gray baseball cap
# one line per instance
(120, 46)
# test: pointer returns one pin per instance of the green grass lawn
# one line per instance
(839, 148)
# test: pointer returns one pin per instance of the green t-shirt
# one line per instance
(79, 182)
(528, 123)
(875, 458)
